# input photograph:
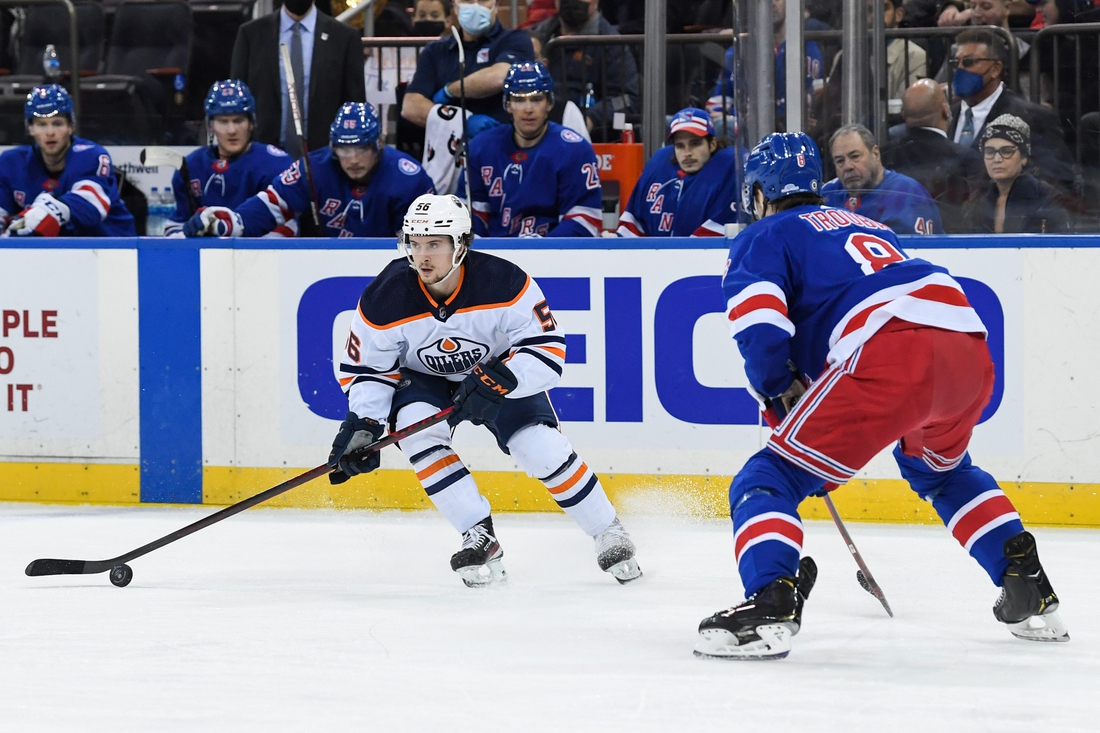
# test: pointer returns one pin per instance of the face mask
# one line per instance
(966, 83)
(475, 19)
(298, 7)
(574, 13)
(428, 28)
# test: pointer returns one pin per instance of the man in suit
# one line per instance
(979, 66)
(327, 60)
(950, 172)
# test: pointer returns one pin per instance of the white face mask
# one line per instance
(474, 18)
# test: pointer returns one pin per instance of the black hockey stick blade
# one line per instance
(56, 567)
(863, 575)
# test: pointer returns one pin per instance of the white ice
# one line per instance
(291, 620)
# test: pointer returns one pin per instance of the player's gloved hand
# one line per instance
(44, 217)
(481, 395)
(477, 124)
(214, 221)
(355, 432)
(776, 408)
(443, 96)
(829, 486)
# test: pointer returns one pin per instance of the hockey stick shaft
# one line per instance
(872, 587)
(296, 113)
(86, 567)
(462, 102)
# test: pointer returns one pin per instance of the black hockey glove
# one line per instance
(355, 432)
(481, 395)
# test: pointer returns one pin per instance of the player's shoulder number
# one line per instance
(871, 252)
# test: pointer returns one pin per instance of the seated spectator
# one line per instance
(1014, 201)
(981, 12)
(231, 170)
(865, 187)
(430, 18)
(61, 185)
(947, 170)
(587, 68)
(690, 188)
(534, 178)
(363, 188)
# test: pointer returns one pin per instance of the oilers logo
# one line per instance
(452, 355)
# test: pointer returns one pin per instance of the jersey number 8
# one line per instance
(872, 253)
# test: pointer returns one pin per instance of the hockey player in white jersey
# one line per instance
(447, 326)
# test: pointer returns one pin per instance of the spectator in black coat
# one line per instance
(1014, 201)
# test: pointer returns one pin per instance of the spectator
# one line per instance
(905, 60)
(534, 178)
(865, 187)
(232, 170)
(689, 188)
(947, 170)
(363, 188)
(1075, 65)
(61, 185)
(1014, 201)
(431, 17)
(565, 112)
(581, 71)
(389, 21)
(490, 51)
(979, 63)
(316, 41)
(984, 12)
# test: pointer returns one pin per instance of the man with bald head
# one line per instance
(948, 171)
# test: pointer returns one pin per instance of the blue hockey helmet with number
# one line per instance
(48, 100)
(782, 164)
(526, 78)
(230, 97)
(355, 124)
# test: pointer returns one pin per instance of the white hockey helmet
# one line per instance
(435, 215)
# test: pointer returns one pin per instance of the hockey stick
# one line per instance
(158, 156)
(121, 573)
(863, 575)
(462, 101)
(296, 113)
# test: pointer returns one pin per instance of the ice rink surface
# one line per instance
(291, 620)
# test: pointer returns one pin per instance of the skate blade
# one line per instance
(626, 571)
(1045, 627)
(480, 576)
(774, 643)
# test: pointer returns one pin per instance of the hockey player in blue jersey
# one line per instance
(863, 186)
(534, 178)
(364, 187)
(853, 345)
(233, 169)
(687, 189)
(62, 185)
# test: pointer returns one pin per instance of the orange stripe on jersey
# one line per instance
(562, 488)
(560, 353)
(513, 301)
(344, 382)
(395, 324)
(437, 466)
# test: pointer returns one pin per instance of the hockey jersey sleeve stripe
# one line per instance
(536, 340)
(276, 206)
(94, 194)
(388, 381)
(709, 228)
(591, 219)
(353, 369)
(548, 362)
(560, 353)
(629, 226)
(283, 230)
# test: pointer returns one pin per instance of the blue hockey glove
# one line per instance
(355, 432)
(477, 124)
(443, 96)
(481, 395)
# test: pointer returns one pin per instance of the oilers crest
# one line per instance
(452, 355)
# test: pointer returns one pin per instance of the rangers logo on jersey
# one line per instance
(452, 355)
(408, 167)
(570, 137)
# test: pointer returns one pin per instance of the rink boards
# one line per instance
(151, 370)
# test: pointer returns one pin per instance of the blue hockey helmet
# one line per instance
(230, 97)
(693, 120)
(48, 100)
(355, 124)
(782, 164)
(528, 77)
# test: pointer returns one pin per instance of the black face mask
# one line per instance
(574, 13)
(428, 28)
(298, 7)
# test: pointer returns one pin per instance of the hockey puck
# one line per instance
(121, 575)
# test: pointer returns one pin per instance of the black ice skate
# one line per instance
(1028, 603)
(762, 626)
(615, 553)
(479, 560)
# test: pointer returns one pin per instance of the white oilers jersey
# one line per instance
(497, 310)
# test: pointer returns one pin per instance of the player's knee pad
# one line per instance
(437, 435)
(767, 471)
(540, 450)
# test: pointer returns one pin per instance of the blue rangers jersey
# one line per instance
(497, 310)
(666, 202)
(225, 182)
(899, 202)
(549, 190)
(374, 209)
(810, 285)
(87, 186)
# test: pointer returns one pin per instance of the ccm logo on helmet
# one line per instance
(452, 355)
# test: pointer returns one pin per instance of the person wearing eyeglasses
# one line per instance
(1015, 201)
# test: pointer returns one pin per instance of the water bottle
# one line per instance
(161, 206)
(51, 65)
(628, 133)
(589, 97)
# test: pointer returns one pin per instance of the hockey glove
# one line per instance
(44, 217)
(481, 395)
(477, 124)
(443, 96)
(776, 408)
(355, 432)
(214, 221)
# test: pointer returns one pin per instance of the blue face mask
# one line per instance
(966, 83)
(475, 19)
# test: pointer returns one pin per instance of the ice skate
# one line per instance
(479, 561)
(615, 553)
(762, 626)
(1028, 604)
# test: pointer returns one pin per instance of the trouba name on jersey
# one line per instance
(452, 355)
